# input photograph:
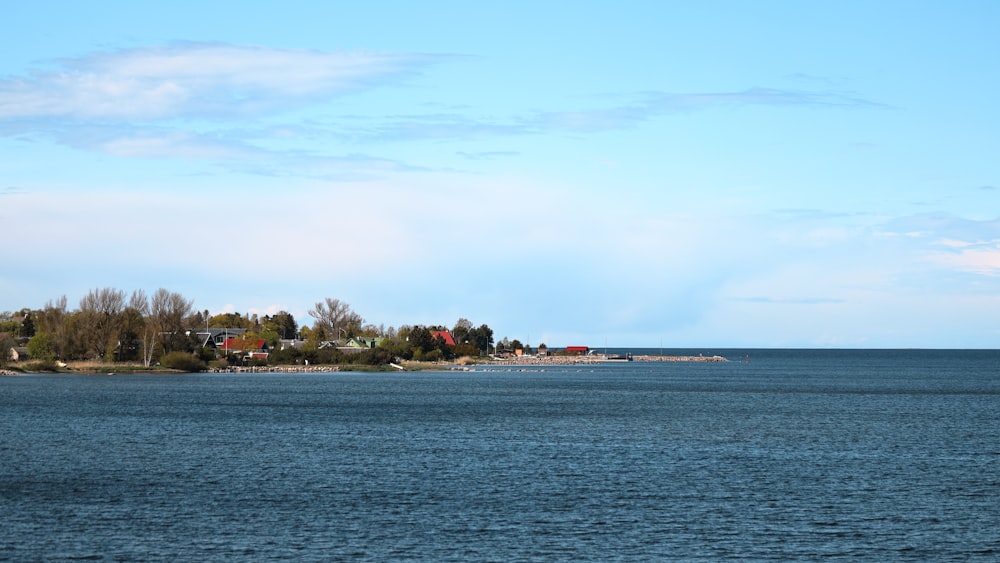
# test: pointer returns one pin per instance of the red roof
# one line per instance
(577, 348)
(238, 344)
(444, 335)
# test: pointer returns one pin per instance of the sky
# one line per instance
(614, 173)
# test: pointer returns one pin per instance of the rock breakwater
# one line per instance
(600, 359)
(275, 369)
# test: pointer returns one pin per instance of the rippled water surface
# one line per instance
(886, 455)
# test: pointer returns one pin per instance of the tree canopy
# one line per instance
(112, 325)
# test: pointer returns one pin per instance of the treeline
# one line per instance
(112, 326)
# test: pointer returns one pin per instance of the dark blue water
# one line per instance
(881, 455)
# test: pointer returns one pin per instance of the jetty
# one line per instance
(599, 359)
(276, 369)
(679, 359)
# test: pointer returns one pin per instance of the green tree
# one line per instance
(421, 339)
(230, 320)
(6, 343)
(279, 326)
(8, 324)
(466, 349)
(52, 322)
(312, 337)
(283, 323)
(28, 324)
(481, 338)
(74, 340)
(40, 347)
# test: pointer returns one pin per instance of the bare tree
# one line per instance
(51, 318)
(133, 321)
(335, 318)
(167, 311)
(140, 304)
(100, 312)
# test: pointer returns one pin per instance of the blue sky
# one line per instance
(699, 174)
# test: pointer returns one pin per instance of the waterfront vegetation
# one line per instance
(112, 331)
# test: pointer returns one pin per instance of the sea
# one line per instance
(774, 455)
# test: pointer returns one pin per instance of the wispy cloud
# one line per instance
(179, 101)
(631, 110)
(937, 227)
(349, 167)
(434, 126)
(655, 104)
(958, 244)
(196, 80)
(795, 301)
(758, 96)
(124, 140)
(980, 259)
(487, 155)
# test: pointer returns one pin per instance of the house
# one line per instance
(244, 345)
(249, 349)
(18, 354)
(577, 350)
(216, 337)
(443, 335)
(363, 342)
(286, 343)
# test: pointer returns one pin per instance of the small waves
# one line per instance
(626, 463)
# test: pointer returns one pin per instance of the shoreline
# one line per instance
(468, 364)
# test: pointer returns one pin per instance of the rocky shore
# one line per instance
(275, 369)
(4, 372)
(679, 359)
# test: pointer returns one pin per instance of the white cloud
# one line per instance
(953, 243)
(983, 261)
(195, 79)
(655, 104)
(171, 144)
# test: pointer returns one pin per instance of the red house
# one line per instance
(248, 346)
(443, 335)
(577, 350)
